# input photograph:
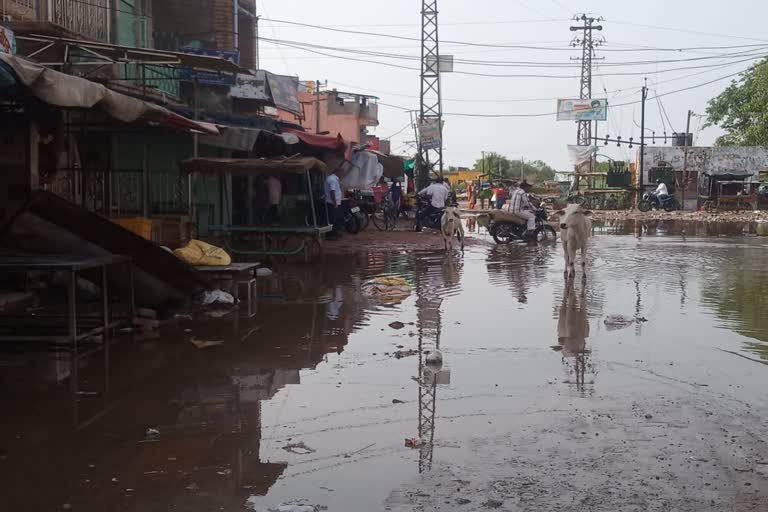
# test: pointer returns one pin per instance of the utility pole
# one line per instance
(522, 164)
(317, 106)
(644, 94)
(256, 35)
(430, 111)
(588, 45)
(685, 157)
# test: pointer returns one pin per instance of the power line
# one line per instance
(495, 45)
(310, 48)
(501, 63)
(461, 114)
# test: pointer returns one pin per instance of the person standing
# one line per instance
(396, 191)
(333, 202)
(520, 206)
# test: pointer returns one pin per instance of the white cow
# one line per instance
(450, 225)
(575, 230)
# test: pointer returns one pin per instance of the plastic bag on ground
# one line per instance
(387, 289)
(197, 252)
(216, 297)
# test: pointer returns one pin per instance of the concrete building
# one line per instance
(349, 114)
(668, 162)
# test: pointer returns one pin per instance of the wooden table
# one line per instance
(13, 327)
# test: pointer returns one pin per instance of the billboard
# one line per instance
(284, 90)
(429, 134)
(582, 110)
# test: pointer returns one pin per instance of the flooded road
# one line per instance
(538, 405)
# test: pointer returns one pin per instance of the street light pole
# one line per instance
(685, 157)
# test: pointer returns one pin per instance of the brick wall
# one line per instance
(247, 42)
(223, 24)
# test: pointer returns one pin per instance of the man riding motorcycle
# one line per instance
(520, 206)
(661, 190)
(438, 194)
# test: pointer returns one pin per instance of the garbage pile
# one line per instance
(388, 290)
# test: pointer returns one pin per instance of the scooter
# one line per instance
(651, 200)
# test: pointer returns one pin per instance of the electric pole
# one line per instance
(588, 45)
(431, 111)
(685, 157)
(643, 97)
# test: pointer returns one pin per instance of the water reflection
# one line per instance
(572, 334)
(435, 277)
(519, 266)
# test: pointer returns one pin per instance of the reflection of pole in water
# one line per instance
(428, 327)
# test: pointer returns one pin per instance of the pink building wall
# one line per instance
(349, 125)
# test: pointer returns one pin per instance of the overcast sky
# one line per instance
(735, 28)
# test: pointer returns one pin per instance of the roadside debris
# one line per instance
(396, 401)
(389, 290)
(616, 322)
(299, 448)
(263, 272)
(210, 297)
(397, 325)
(201, 253)
(206, 343)
(414, 442)
(405, 353)
(152, 433)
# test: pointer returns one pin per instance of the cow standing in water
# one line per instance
(575, 230)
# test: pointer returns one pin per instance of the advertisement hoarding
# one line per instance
(582, 110)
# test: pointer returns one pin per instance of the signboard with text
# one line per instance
(582, 110)
(251, 87)
(429, 134)
(209, 77)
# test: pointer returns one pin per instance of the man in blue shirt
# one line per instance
(333, 202)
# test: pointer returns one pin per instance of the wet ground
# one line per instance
(538, 405)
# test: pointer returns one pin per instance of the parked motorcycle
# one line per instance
(651, 200)
(506, 227)
(352, 217)
(428, 217)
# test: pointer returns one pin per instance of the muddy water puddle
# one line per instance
(311, 402)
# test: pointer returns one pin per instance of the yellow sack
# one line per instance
(201, 253)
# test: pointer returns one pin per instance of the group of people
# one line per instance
(392, 193)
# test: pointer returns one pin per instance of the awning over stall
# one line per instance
(294, 165)
(323, 142)
(729, 175)
(62, 90)
(394, 166)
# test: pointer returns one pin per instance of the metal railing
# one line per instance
(91, 18)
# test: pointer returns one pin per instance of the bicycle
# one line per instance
(385, 216)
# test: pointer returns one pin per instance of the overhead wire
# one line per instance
(495, 45)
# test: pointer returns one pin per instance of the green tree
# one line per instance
(742, 109)
(499, 166)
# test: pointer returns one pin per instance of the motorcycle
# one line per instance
(352, 217)
(506, 227)
(651, 200)
(428, 217)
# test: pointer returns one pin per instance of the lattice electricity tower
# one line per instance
(588, 45)
(431, 110)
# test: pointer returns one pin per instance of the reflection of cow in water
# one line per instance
(573, 331)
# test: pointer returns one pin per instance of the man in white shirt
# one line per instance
(333, 202)
(438, 193)
(520, 206)
(661, 189)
